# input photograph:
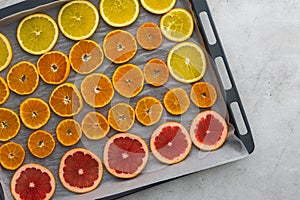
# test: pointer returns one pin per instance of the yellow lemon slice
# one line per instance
(158, 7)
(6, 52)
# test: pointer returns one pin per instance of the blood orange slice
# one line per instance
(125, 155)
(170, 143)
(80, 170)
(32, 181)
(208, 130)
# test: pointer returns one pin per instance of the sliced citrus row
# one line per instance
(128, 80)
(187, 62)
(78, 20)
(80, 170)
(176, 101)
(68, 132)
(23, 78)
(97, 90)
(203, 94)
(37, 34)
(86, 56)
(33, 181)
(208, 130)
(12, 155)
(119, 13)
(156, 72)
(149, 36)
(119, 46)
(170, 143)
(65, 100)
(4, 91)
(54, 67)
(6, 52)
(148, 111)
(34, 113)
(156, 7)
(9, 124)
(95, 126)
(121, 117)
(125, 155)
(41, 143)
(177, 25)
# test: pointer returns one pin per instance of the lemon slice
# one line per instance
(6, 52)
(78, 20)
(187, 62)
(37, 34)
(177, 25)
(158, 7)
(119, 13)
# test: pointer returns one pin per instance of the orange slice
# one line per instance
(95, 126)
(11, 155)
(148, 111)
(121, 117)
(41, 143)
(6, 52)
(53, 67)
(119, 46)
(158, 7)
(203, 94)
(23, 78)
(149, 36)
(9, 124)
(68, 132)
(97, 90)
(128, 80)
(176, 101)
(156, 72)
(65, 100)
(86, 56)
(4, 91)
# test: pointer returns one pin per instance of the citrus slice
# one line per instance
(65, 100)
(119, 46)
(86, 56)
(125, 155)
(78, 20)
(11, 155)
(119, 13)
(34, 113)
(6, 52)
(156, 72)
(176, 101)
(41, 143)
(208, 130)
(4, 91)
(148, 111)
(97, 90)
(9, 124)
(203, 94)
(149, 36)
(23, 78)
(128, 80)
(170, 143)
(37, 34)
(80, 170)
(33, 181)
(177, 25)
(68, 132)
(95, 126)
(121, 117)
(187, 62)
(158, 7)
(53, 67)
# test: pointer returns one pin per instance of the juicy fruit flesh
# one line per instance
(9, 124)
(162, 5)
(176, 101)
(121, 117)
(4, 52)
(125, 155)
(156, 72)
(149, 111)
(149, 36)
(4, 91)
(11, 155)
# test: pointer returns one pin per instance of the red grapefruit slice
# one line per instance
(80, 170)
(208, 130)
(170, 143)
(32, 181)
(125, 155)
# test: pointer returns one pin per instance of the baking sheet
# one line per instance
(154, 172)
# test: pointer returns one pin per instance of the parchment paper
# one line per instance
(154, 172)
